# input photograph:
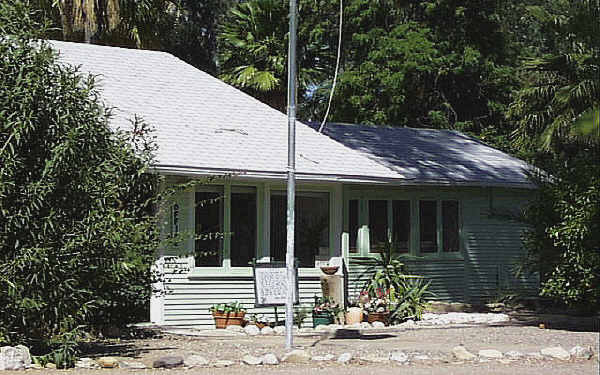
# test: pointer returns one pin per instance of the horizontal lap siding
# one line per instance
(187, 300)
(494, 249)
(447, 277)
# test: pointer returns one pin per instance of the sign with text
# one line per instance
(270, 284)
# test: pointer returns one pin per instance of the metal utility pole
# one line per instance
(291, 183)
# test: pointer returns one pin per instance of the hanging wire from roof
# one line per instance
(337, 67)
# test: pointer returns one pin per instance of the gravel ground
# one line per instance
(435, 342)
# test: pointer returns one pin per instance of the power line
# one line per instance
(337, 67)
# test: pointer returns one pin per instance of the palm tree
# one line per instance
(253, 50)
(562, 100)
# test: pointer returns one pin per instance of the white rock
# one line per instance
(270, 359)
(279, 330)
(267, 331)
(490, 354)
(344, 358)
(535, 355)
(223, 363)
(13, 358)
(513, 354)
(463, 354)
(296, 356)
(195, 360)
(374, 359)
(365, 325)
(251, 360)
(86, 363)
(251, 330)
(581, 352)
(422, 357)
(235, 328)
(378, 325)
(399, 356)
(134, 365)
(556, 352)
(323, 328)
(326, 357)
(355, 325)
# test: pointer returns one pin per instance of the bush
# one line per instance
(77, 230)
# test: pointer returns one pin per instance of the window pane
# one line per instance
(450, 225)
(312, 226)
(243, 228)
(378, 225)
(428, 219)
(401, 229)
(208, 250)
(353, 224)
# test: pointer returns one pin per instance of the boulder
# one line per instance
(108, 362)
(326, 357)
(267, 331)
(582, 353)
(513, 354)
(378, 325)
(251, 360)
(279, 330)
(399, 356)
(86, 363)
(556, 352)
(463, 354)
(490, 354)
(133, 365)
(235, 328)
(251, 330)
(223, 363)
(195, 360)
(344, 358)
(296, 356)
(168, 362)
(270, 359)
(14, 358)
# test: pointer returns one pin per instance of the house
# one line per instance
(433, 191)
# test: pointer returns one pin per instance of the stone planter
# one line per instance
(354, 315)
(379, 317)
(222, 319)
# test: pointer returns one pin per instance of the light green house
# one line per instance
(432, 192)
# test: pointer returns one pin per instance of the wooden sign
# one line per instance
(270, 284)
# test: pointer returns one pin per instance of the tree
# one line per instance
(253, 48)
(77, 226)
(561, 96)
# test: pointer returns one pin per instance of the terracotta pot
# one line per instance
(354, 315)
(378, 317)
(222, 320)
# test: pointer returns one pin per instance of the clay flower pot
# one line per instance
(222, 319)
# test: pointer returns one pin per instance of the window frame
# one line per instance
(363, 246)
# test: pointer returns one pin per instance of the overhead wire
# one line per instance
(337, 67)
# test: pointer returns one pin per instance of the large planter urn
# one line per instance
(224, 319)
(379, 317)
(354, 315)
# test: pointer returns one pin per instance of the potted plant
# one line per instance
(228, 314)
(325, 311)
(377, 307)
(259, 320)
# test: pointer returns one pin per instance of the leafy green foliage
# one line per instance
(232, 307)
(563, 242)
(77, 229)
(406, 294)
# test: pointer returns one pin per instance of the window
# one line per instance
(401, 225)
(311, 226)
(243, 226)
(378, 225)
(208, 219)
(428, 226)
(450, 232)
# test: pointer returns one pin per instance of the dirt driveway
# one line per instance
(430, 350)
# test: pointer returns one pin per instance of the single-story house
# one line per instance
(432, 191)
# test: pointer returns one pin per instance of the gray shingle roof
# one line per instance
(204, 126)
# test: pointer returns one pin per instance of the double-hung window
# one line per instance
(439, 226)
